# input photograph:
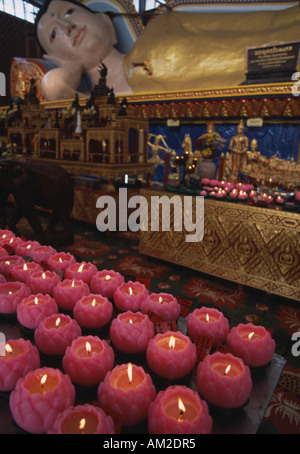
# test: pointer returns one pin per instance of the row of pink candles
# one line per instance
(89, 360)
(239, 191)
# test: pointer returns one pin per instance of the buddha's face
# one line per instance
(71, 32)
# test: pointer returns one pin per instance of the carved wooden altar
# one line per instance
(253, 246)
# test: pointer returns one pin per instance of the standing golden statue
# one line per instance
(239, 147)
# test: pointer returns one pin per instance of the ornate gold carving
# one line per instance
(255, 246)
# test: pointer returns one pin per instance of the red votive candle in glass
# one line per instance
(43, 282)
(105, 282)
(83, 271)
(8, 262)
(20, 357)
(130, 332)
(69, 291)
(35, 308)
(21, 272)
(208, 322)
(55, 333)
(11, 294)
(171, 355)
(179, 410)
(129, 390)
(39, 398)
(60, 261)
(164, 305)
(252, 343)
(42, 253)
(87, 360)
(83, 419)
(224, 380)
(93, 311)
(130, 295)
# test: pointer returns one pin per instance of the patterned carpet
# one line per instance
(120, 251)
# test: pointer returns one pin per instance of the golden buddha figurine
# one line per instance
(239, 147)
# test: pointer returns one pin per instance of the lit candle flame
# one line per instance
(60, 260)
(44, 275)
(29, 246)
(81, 425)
(130, 291)
(107, 277)
(57, 322)
(11, 240)
(73, 284)
(129, 371)
(10, 292)
(227, 369)
(172, 342)
(25, 267)
(130, 321)
(88, 348)
(36, 300)
(94, 302)
(43, 380)
(181, 406)
(207, 317)
(4, 235)
(8, 348)
(250, 335)
(7, 262)
(80, 268)
(160, 300)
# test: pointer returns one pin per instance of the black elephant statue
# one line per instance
(37, 184)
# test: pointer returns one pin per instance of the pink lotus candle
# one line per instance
(11, 294)
(208, 322)
(87, 360)
(130, 295)
(21, 272)
(82, 271)
(179, 410)
(252, 343)
(10, 244)
(203, 193)
(55, 333)
(60, 261)
(68, 292)
(171, 355)
(224, 380)
(20, 358)
(280, 200)
(105, 282)
(8, 262)
(164, 305)
(3, 252)
(93, 311)
(233, 194)
(35, 308)
(39, 398)
(130, 332)
(25, 249)
(4, 234)
(43, 282)
(242, 195)
(205, 181)
(129, 390)
(42, 253)
(83, 419)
